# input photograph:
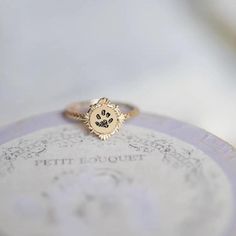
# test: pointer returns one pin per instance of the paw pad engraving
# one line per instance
(103, 119)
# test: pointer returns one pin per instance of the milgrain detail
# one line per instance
(103, 118)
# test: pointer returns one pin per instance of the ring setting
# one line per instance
(103, 118)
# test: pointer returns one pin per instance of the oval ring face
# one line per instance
(103, 119)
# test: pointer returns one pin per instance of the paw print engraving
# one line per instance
(103, 119)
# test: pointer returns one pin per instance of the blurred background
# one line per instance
(174, 58)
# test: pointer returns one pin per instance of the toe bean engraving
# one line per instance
(103, 119)
(98, 117)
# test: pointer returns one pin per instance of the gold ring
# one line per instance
(102, 118)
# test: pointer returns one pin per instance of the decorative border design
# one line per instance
(101, 102)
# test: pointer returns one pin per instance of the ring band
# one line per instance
(102, 117)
